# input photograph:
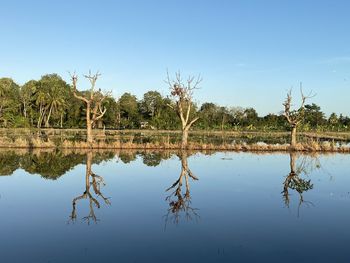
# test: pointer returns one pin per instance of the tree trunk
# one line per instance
(99, 124)
(40, 114)
(293, 142)
(88, 170)
(184, 138)
(292, 162)
(184, 162)
(118, 119)
(24, 109)
(41, 117)
(39, 121)
(61, 121)
(89, 139)
(222, 122)
(48, 117)
(184, 172)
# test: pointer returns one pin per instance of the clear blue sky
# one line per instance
(248, 52)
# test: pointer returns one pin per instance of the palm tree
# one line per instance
(27, 93)
(55, 102)
(41, 101)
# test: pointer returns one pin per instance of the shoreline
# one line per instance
(238, 141)
(312, 147)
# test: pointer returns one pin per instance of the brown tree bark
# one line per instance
(292, 160)
(293, 142)
(184, 140)
(89, 138)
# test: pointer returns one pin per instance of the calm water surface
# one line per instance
(167, 207)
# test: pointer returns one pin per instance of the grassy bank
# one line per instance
(170, 140)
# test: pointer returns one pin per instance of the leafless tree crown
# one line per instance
(95, 98)
(183, 89)
(295, 116)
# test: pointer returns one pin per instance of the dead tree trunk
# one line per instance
(183, 93)
(93, 102)
(184, 139)
(292, 160)
(294, 117)
(293, 141)
(89, 138)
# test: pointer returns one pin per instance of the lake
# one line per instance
(129, 206)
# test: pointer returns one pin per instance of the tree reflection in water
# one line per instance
(95, 181)
(294, 181)
(179, 201)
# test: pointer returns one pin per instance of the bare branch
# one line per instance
(173, 185)
(193, 121)
(74, 79)
(92, 78)
(303, 97)
(188, 111)
(171, 106)
(295, 116)
(189, 172)
(101, 115)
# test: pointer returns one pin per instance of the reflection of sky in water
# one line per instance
(242, 216)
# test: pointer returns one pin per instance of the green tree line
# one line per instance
(49, 103)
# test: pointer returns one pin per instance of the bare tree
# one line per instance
(95, 181)
(182, 91)
(93, 101)
(294, 117)
(180, 202)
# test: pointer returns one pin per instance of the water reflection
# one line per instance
(48, 163)
(180, 199)
(295, 182)
(153, 159)
(91, 179)
(127, 156)
(52, 164)
(9, 163)
(239, 218)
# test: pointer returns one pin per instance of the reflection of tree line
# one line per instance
(53, 164)
(50, 165)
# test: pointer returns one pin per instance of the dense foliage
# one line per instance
(49, 102)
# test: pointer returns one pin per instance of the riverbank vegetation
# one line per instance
(49, 102)
(150, 139)
(50, 113)
(53, 163)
